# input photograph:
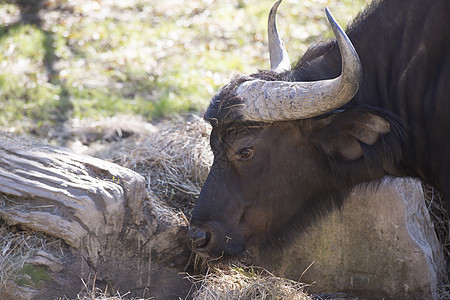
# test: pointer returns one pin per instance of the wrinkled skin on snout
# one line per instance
(269, 179)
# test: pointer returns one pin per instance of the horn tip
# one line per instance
(330, 16)
(275, 6)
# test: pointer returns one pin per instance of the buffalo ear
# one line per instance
(344, 135)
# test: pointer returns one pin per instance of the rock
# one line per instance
(381, 245)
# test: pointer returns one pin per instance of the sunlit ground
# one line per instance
(65, 59)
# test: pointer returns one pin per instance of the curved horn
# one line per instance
(279, 59)
(280, 100)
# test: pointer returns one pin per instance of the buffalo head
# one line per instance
(282, 152)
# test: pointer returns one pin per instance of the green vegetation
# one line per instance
(62, 59)
(31, 276)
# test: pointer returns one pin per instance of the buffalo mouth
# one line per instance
(212, 241)
(197, 240)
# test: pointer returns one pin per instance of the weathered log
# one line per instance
(102, 212)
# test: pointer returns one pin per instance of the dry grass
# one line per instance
(439, 216)
(247, 283)
(175, 162)
(91, 292)
(15, 250)
(16, 247)
(443, 291)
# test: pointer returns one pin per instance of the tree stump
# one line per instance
(106, 220)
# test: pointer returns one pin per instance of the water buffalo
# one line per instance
(289, 144)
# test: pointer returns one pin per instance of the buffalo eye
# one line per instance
(245, 154)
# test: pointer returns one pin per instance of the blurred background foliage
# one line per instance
(62, 60)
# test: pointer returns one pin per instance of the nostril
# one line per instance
(197, 238)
